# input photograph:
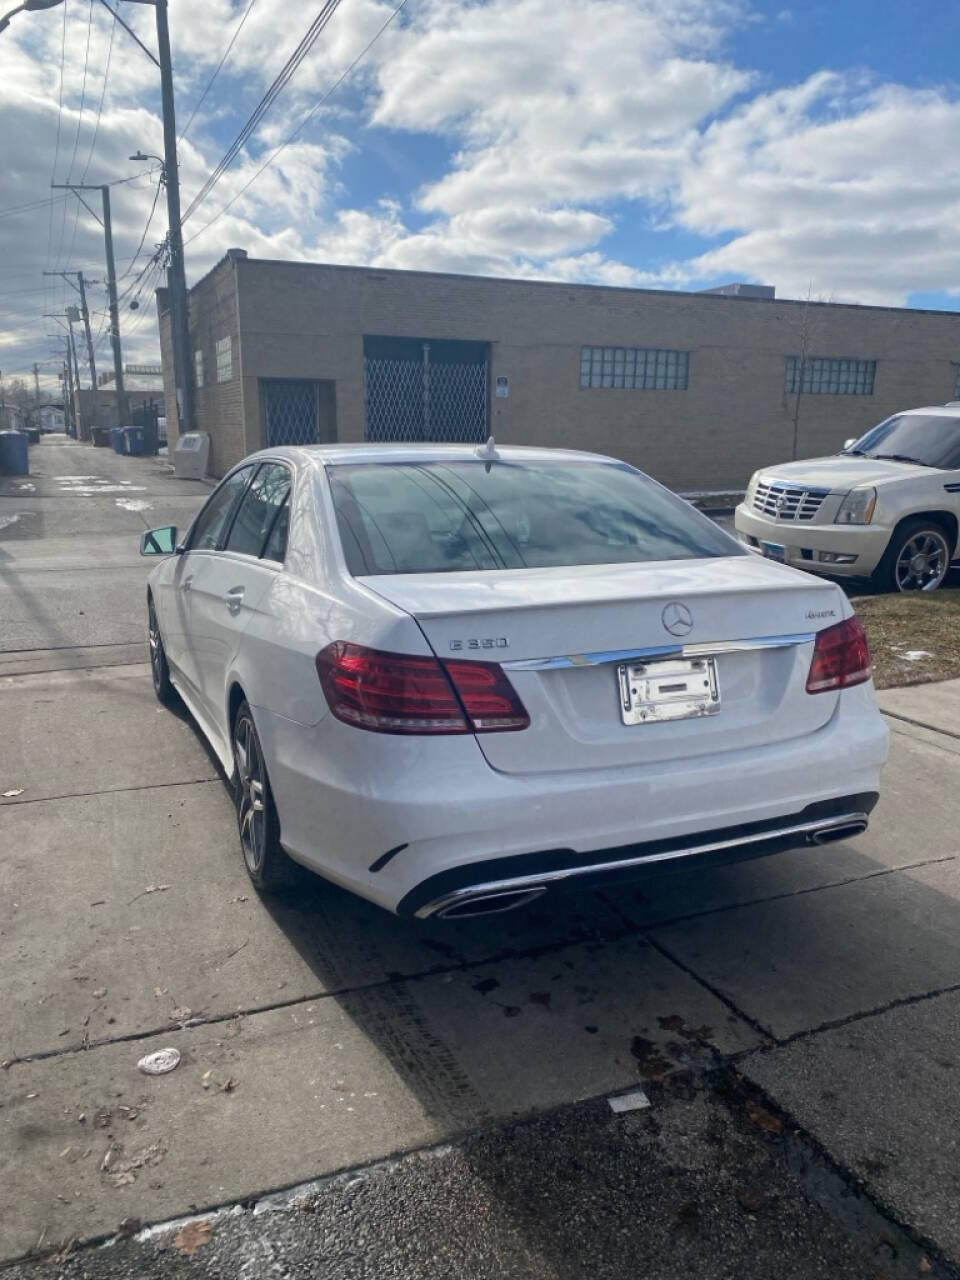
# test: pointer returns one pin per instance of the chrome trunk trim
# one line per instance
(652, 652)
(816, 832)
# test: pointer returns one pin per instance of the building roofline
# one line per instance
(565, 284)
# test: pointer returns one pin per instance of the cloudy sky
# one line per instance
(665, 143)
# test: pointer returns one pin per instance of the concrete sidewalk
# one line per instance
(319, 1034)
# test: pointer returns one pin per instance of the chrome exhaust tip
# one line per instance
(488, 904)
(845, 830)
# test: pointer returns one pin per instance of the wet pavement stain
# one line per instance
(653, 1065)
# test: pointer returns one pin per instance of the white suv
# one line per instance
(887, 507)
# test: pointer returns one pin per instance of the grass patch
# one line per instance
(926, 627)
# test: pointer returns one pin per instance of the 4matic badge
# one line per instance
(483, 642)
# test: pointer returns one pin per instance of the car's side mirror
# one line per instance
(159, 542)
(848, 444)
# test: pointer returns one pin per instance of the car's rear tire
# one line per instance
(159, 669)
(916, 559)
(267, 865)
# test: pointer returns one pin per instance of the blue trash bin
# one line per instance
(14, 455)
(117, 440)
(135, 443)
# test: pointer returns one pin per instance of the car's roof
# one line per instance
(949, 410)
(325, 454)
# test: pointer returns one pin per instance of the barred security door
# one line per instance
(291, 412)
(425, 390)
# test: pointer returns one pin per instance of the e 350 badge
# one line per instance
(486, 642)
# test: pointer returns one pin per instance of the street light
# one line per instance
(28, 6)
(141, 155)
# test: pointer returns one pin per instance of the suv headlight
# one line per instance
(751, 488)
(857, 507)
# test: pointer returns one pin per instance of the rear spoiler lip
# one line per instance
(653, 653)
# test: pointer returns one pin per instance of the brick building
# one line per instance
(699, 389)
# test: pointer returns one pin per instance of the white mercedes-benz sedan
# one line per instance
(449, 678)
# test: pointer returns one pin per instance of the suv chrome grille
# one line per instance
(787, 502)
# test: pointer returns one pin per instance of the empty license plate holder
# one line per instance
(669, 689)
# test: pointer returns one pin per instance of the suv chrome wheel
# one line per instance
(922, 561)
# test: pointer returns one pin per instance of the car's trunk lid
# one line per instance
(594, 616)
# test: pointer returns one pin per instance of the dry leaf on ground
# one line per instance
(764, 1119)
(192, 1237)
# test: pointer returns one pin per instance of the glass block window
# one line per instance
(634, 368)
(826, 376)
(225, 359)
(198, 367)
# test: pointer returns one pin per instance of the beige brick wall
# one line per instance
(297, 320)
(218, 406)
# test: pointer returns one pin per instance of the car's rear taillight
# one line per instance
(841, 658)
(399, 693)
(488, 697)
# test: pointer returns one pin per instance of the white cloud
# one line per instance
(567, 122)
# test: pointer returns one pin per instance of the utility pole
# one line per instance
(107, 224)
(75, 384)
(123, 409)
(64, 392)
(36, 381)
(176, 274)
(80, 287)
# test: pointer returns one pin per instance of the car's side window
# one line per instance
(276, 548)
(214, 520)
(259, 511)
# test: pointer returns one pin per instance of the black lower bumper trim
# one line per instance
(552, 860)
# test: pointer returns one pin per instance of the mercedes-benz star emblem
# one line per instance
(677, 619)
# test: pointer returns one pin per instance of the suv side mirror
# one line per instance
(159, 542)
(848, 444)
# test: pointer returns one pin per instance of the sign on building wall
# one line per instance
(503, 387)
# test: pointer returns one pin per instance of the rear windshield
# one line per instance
(436, 517)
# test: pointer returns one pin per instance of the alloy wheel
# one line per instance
(923, 561)
(251, 810)
(156, 648)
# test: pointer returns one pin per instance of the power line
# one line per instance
(301, 126)
(30, 205)
(103, 94)
(225, 55)
(56, 154)
(263, 106)
(146, 229)
(83, 92)
(76, 141)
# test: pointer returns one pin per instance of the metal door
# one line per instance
(291, 411)
(417, 389)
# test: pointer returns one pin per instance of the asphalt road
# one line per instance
(793, 1021)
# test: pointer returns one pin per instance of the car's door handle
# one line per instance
(187, 583)
(234, 597)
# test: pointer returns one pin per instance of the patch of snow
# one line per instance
(132, 504)
(914, 655)
(8, 520)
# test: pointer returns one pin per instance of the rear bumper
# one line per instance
(384, 824)
(461, 890)
(804, 542)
